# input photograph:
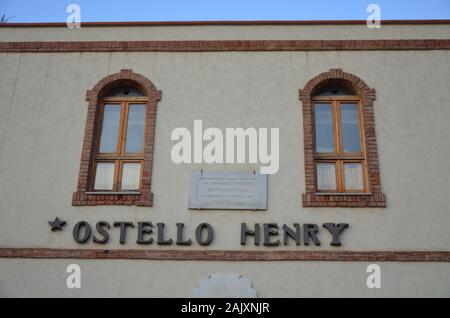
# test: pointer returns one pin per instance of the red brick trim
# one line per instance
(203, 23)
(367, 94)
(224, 45)
(220, 255)
(145, 198)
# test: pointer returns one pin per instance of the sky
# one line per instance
(204, 10)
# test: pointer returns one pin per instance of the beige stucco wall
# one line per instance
(227, 32)
(137, 278)
(43, 107)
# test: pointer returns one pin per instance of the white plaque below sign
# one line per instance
(225, 286)
(228, 190)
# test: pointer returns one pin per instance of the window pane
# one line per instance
(350, 128)
(326, 176)
(353, 176)
(135, 128)
(131, 173)
(324, 128)
(110, 128)
(334, 90)
(104, 176)
(126, 91)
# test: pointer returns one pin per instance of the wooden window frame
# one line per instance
(120, 156)
(372, 195)
(86, 195)
(339, 157)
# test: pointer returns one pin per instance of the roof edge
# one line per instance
(206, 23)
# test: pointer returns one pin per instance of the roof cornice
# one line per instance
(225, 23)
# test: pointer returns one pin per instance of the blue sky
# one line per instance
(194, 10)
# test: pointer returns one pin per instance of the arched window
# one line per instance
(339, 154)
(119, 151)
(118, 146)
(341, 161)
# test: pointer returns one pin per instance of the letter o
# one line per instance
(199, 231)
(77, 230)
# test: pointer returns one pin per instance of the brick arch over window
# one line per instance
(375, 197)
(83, 196)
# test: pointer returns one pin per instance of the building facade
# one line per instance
(91, 126)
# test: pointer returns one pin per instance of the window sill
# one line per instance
(344, 193)
(114, 193)
(137, 198)
(344, 200)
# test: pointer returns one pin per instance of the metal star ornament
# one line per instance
(57, 224)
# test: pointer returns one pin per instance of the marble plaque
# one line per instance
(228, 190)
(225, 286)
